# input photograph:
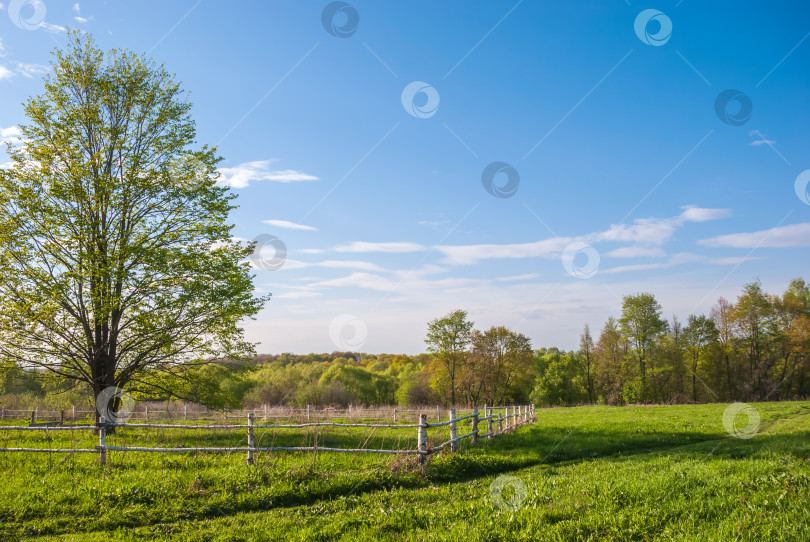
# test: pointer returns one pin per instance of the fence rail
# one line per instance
(520, 415)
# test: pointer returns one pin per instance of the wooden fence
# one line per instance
(499, 421)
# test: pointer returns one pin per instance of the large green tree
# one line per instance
(641, 324)
(116, 256)
(448, 339)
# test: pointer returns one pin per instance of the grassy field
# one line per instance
(587, 473)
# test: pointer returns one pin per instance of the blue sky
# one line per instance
(626, 175)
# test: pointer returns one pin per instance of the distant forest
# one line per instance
(756, 348)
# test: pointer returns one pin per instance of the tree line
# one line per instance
(756, 348)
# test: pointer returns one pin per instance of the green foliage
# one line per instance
(115, 248)
(448, 339)
(560, 379)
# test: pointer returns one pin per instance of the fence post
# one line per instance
(489, 426)
(453, 432)
(250, 439)
(2, 412)
(147, 411)
(265, 411)
(474, 438)
(36, 412)
(307, 412)
(102, 442)
(438, 415)
(514, 417)
(185, 411)
(395, 415)
(506, 416)
(74, 412)
(500, 424)
(422, 439)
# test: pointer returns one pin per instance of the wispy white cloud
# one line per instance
(762, 140)
(470, 254)
(5, 73)
(676, 259)
(9, 134)
(31, 70)
(794, 235)
(333, 264)
(649, 232)
(397, 247)
(242, 175)
(286, 224)
(51, 28)
(311, 251)
(636, 251)
(297, 295)
(518, 278)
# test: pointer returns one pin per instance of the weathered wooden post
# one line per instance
(489, 425)
(185, 411)
(146, 414)
(438, 415)
(61, 417)
(250, 439)
(33, 418)
(36, 412)
(453, 432)
(514, 417)
(307, 413)
(500, 424)
(265, 411)
(474, 438)
(395, 415)
(506, 416)
(102, 442)
(74, 413)
(2, 412)
(422, 439)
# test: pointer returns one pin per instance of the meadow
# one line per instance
(583, 473)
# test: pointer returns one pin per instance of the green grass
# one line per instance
(587, 473)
